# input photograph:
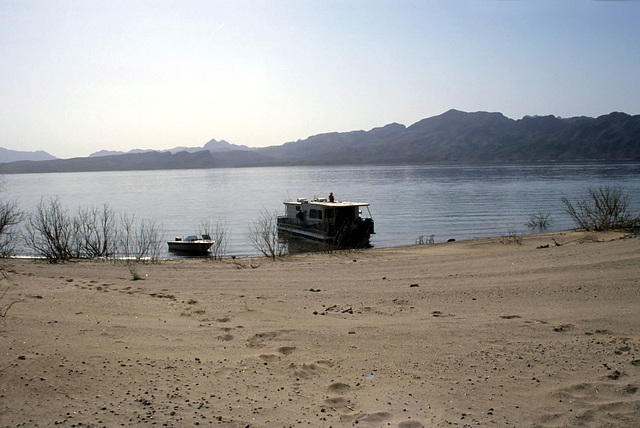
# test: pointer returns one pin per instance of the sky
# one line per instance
(79, 76)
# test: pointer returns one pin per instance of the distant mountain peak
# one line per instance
(223, 146)
(8, 155)
(105, 153)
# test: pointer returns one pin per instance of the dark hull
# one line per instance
(355, 236)
(190, 248)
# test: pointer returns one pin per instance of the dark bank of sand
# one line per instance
(475, 333)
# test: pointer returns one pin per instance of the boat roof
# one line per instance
(325, 203)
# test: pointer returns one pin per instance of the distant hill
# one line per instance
(122, 162)
(457, 136)
(7, 155)
(454, 136)
(106, 153)
(139, 162)
(212, 146)
(477, 137)
(223, 146)
(117, 152)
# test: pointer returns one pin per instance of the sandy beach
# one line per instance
(474, 333)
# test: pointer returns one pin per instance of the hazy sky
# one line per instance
(80, 76)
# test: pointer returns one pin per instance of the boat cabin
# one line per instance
(321, 212)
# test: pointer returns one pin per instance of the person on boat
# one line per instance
(331, 198)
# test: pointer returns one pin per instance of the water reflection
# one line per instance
(297, 245)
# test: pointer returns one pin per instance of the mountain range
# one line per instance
(7, 155)
(453, 137)
(212, 146)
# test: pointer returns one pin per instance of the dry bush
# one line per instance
(263, 234)
(511, 237)
(540, 220)
(140, 240)
(219, 232)
(603, 208)
(50, 232)
(96, 232)
(5, 304)
(10, 217)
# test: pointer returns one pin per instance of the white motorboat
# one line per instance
(192, 244)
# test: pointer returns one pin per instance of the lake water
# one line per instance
(449, 201)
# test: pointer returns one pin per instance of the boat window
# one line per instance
(328, 214)
(346, 213)
(315, 213)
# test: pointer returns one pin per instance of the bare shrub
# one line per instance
(263, 234)
(603, 208)
(96, 232)
(10, 217)
(50, 231)
(511, 237)
(150, 239)
(5, 305)
(540, 220)
(140, 240)
(219, 232)
(126, 236)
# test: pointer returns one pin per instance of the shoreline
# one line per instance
(231, 257)
(467, 333)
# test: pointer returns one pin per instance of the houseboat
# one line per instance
(329, 221)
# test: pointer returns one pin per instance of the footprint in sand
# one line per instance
(339, 404)
(226, 337)
(339, 388)
(597, 404)
(270, 358)
(410, 424)
(374, 419)
(286, 350)
(258, 340)
(307, 370)
(281, 352)
(379, 419)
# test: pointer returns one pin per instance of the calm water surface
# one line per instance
(449, 201)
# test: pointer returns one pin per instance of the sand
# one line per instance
(475, 333)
